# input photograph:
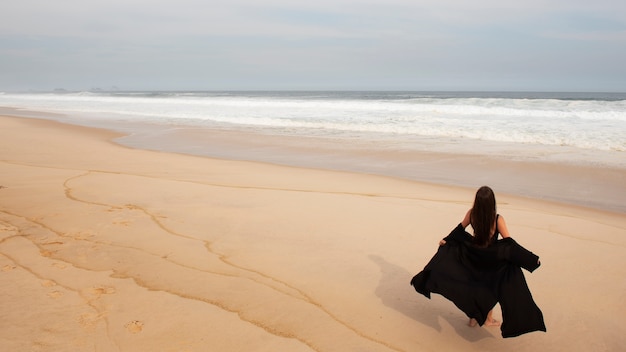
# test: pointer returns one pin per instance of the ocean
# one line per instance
(569, 129)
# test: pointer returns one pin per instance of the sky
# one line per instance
(478, 45)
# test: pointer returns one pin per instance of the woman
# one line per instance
(477, 271)
(487, 225)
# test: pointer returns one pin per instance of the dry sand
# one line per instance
(107, 248)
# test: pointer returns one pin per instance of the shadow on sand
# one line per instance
(395, 291)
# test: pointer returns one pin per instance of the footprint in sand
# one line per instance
(8, 267)
(7, 227)
(90, 320)
(45, 253)
(55, 294)
(48, 283)
(103, 290)
(125, 223)
(59, 265)
(134, 326)
(98, 291)
(83, 235)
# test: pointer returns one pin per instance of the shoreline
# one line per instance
(600, 188)
(597, 187)
(111, 248)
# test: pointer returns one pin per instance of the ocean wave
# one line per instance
(583, 123)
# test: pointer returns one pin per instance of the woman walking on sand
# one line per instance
(487, 225)
(476, 272)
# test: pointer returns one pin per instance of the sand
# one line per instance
(108, 248)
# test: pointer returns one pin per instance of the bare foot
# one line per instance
(472, 322)
(492, 322)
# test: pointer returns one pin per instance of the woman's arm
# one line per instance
(466, 221)
(504, 231)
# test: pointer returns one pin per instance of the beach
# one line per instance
(563, 147)
(111, 248)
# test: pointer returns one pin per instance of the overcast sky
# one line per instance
(545, 45)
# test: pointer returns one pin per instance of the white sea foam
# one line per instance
(586, 123)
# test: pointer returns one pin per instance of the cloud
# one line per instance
(72, 17)
(286, 43)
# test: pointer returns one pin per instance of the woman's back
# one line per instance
(499, 228)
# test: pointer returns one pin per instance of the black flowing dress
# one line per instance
(475, 279)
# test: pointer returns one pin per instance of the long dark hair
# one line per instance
(483, 215)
